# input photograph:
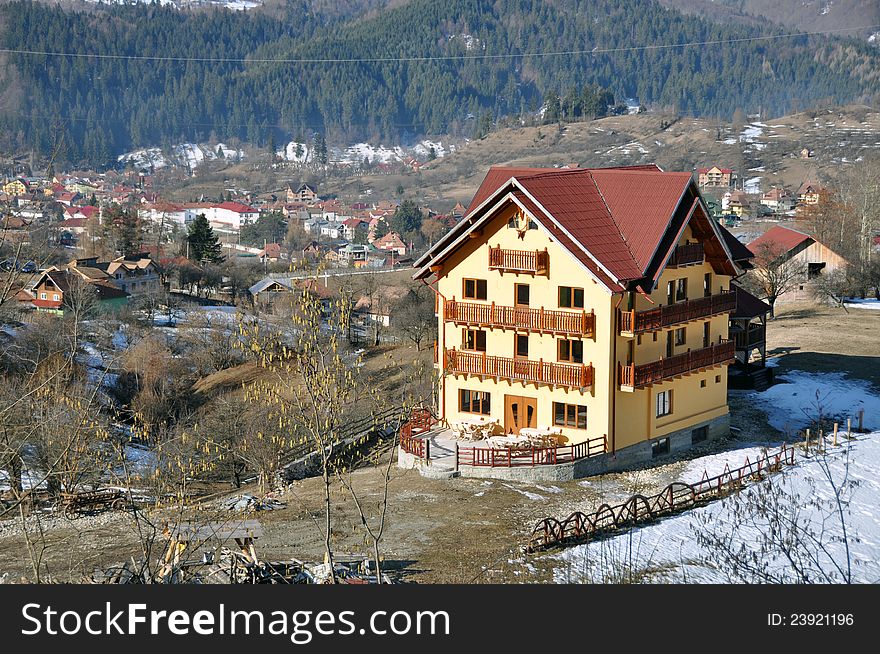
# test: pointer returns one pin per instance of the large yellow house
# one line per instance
(594, 301)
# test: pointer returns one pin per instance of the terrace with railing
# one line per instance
(520, 370)
(536, 262)
(687, 255)
(638, 322)
(507, 457)
(642, 375)
(575, 323)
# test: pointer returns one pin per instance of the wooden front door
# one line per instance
(519, 412)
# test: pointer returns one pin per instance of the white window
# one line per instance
(42, 296)
(664, 403)
(56, 297)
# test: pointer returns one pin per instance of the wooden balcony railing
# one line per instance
(521, 370)
(527, 261)
(505, 457)
(687, 255)
(639, 376)
(746, 340)
(576, 323)
(638, 322)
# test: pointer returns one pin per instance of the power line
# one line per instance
(475, 57)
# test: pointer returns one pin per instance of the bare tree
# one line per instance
(775, 274)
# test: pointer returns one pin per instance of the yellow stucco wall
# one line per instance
(635, 411)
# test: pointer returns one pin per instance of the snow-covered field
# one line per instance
(685, 548)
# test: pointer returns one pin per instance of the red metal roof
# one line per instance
(618, 214)
(642, 204)
(237, 207)
(780, 238)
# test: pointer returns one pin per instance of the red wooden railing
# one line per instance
(579, 323)
(436, 353)
(530, 261)
(637, 322)
(523, 370)
(506, 457)
(637, 376)
(420, 422)
(686, 255)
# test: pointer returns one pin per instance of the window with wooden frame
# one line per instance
(707, 284)
(521, 345)
(474, 401)
(569, 415)
(521, 295)
(664, 403)
(570, 351)
(571, 298)
(475, 289)
(670, 292)
(707, 334)
(681, 336)
(473, 339)
(681, 289)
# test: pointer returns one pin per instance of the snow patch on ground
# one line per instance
(793, 405)
(752, 185)
(671, 550)
(531, 496)
(859, 303)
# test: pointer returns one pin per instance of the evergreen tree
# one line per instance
(204, 246)
(407, 219)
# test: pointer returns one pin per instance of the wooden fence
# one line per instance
(638, 509)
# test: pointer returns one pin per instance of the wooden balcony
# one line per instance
(536, 262)
(571, 323)
(639, 376)
(520, 370)
(687, 255)
(756, 335)
(639, 322)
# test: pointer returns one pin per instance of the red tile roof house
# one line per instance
(634, 257)
(816, 258)
(51, 286)
(391, 242)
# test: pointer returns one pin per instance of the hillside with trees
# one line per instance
(183, 75)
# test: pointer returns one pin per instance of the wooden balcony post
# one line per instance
(541, 324)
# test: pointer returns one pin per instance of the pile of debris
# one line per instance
(226, 565)
(248, 502)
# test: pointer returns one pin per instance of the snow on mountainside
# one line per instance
(189, 155)
(359, 152)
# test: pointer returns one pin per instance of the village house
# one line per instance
(391, 242)
(354, 255)
(591, 305)
(778, 200)
(803, 250)
(304, 193)
(810, 193)
(136, 275)
(230, 216)
(716, 177)
(736, 203)
(15, 187)
(49, 289)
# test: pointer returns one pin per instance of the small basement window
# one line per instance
(660, 447)
(700, 434)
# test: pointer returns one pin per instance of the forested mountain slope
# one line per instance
(468, 65)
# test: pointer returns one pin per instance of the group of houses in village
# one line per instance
(731, 197)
